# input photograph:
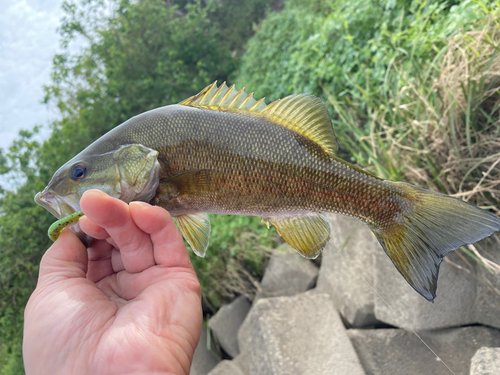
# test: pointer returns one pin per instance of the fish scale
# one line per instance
(279, 172)
(223, 152)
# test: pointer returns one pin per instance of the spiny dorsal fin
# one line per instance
(302, 113)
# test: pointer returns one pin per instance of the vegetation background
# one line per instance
(412, 87)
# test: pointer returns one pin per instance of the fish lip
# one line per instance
(48, 201)
(59, 206)
(62, 206)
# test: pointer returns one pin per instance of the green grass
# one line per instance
(436, 125)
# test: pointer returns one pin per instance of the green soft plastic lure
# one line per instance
(56, 228)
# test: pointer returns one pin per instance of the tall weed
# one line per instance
(436, 125)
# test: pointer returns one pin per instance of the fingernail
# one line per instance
(140, 204)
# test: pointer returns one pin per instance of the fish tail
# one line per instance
(430, 226)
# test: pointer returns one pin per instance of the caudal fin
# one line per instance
(435, 225)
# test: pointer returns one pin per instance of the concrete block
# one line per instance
(486, 361)
(399, 305)
(204, 360)
(226, 323)
(297, 335)
(347, 270)
(287, 274)
(226, 368)
(396, 351)
(487, 304)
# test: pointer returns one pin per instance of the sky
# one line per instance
(28, 42)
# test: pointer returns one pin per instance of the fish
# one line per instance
(222, 151)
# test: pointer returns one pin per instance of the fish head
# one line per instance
(127, 172)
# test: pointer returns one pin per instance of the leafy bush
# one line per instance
(341, 44)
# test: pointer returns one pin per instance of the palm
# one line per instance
(119, 314)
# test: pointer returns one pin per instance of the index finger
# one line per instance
(114, 216)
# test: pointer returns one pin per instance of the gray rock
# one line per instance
(367, 289)
(297, 335)
(347, 269)
(396, 352)
(226, 323)
(488, 285)
(399, 305)
(204, 360)
(226, 368)
(287, 274)
(243, 362)
(486, 361)
(487, 297)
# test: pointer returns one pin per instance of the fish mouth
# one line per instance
(62, 206)
(59, 206)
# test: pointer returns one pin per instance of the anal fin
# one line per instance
(307, 234)
(195, 228)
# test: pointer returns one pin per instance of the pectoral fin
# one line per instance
(307, 234)
(196, 230)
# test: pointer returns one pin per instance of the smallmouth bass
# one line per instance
(223, 152)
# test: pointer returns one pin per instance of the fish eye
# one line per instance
(78, 172)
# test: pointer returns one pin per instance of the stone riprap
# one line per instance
(287, 274)
(226, 323)
(302, 333)
(396, 351)
(347, 271)
(486, 361)
(297, 335)
(204, 360)
(367, 289)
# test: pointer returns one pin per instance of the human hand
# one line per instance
(104, 311)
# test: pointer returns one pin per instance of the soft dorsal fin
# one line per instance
(302, 113)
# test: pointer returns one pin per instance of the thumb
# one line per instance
(66, 258)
